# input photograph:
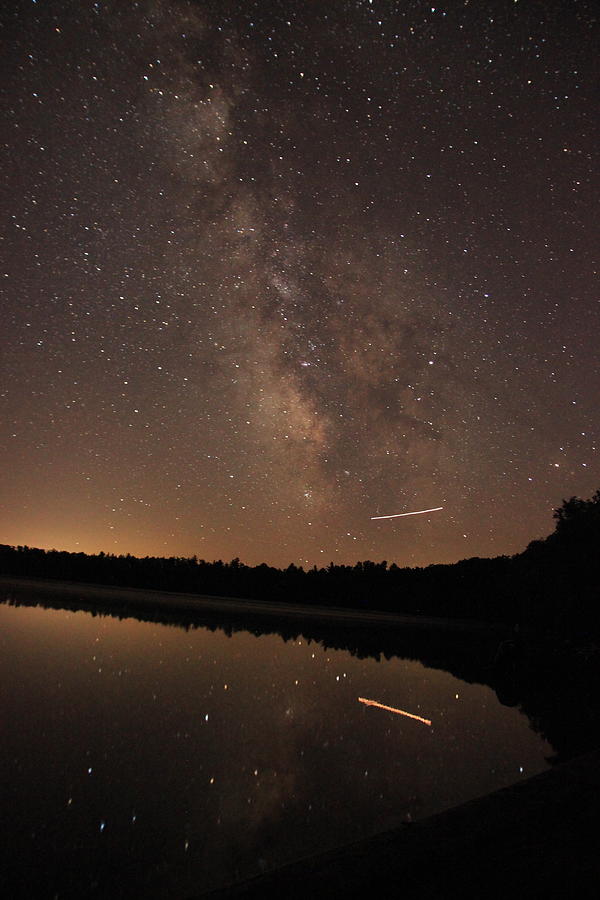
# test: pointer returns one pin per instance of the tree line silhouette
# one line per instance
(553, 585)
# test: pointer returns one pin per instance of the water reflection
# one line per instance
(161, 761)
(399, 712)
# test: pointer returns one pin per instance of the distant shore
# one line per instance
(112, 597)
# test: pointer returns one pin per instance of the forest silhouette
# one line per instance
(551, 587)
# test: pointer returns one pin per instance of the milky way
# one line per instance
(274, 268)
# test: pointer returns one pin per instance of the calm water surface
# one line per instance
(141, 759)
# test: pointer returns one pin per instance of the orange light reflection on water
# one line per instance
(400, 712)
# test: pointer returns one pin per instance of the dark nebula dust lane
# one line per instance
(272, 270)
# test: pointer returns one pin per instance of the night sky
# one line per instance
(272, 268)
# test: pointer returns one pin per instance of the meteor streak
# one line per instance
(401, 712)
(419, 512)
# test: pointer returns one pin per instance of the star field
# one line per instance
(273, 268)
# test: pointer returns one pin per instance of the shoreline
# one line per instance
(111, 597)
(535, 838)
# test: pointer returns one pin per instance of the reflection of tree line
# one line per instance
(551, 586)
(552, 681)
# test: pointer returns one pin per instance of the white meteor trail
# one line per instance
(400, 712)
(419, 512)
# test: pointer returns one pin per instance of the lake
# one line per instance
(146, 759)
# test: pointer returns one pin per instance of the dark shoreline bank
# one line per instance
(536, 838)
